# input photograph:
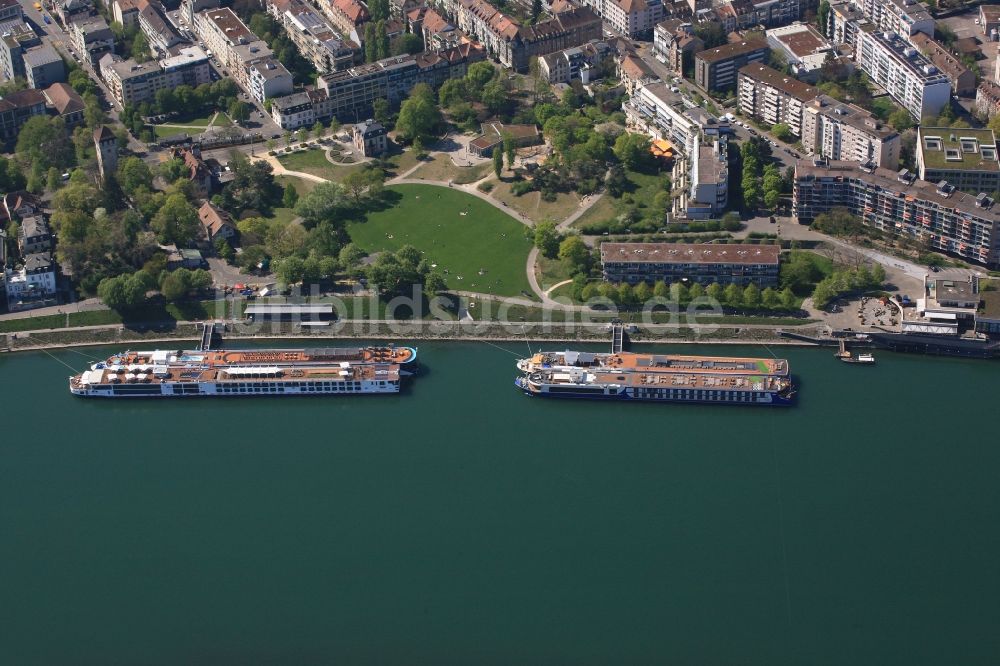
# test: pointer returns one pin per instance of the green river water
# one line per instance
(464, 523)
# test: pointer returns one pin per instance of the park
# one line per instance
(474, 245)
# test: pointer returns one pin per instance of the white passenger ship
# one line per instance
(170, 373)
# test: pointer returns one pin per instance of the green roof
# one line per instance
(958, 149)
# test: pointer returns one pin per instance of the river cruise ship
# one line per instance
(172, 373)
(657, 377)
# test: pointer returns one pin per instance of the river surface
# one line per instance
(464, 523)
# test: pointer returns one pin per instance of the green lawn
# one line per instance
(302, 186)
(94, 318)
(429, 218)
(645, 186)
(161, 131)
(283, 215)
(313, 161)
(533, 206)
(442, 168)
(33, 323)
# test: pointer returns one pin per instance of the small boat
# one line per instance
(863, 359)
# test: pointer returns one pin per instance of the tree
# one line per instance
(788, 299)
(508, 149)
(318, 130)
(381, 41)
(452, 92)
(771, 199)
(547, 239)
(43, 142)
(140, 50)
(632, 150)
(696, 291)
(477, 76)
(371, 43)
(52, 179)
(626, 296)
(575, 253)
(123, 292)
(783, 132)
(176, 221)
(239, 111)
(176, 284)
(823, 17)
(172, 169)
(679, 292)
(643, 292)
(407, 44)
(290, 196)
(494, 96)
(132, 174)
(434, 284)
(393, 272)
(770, 299)
(900, 120)
(497, 161)
(733, 295)
(322, 203)
(660, 289)
(419, 116)
(751, 296)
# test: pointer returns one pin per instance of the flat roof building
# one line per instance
(716, 68)
(773, 97)
(965, 158)
(899, 204)
(702, 263)
(841, 131)
(803, 47)
(894, 64)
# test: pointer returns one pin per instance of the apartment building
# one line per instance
(221, 30)
(692, 262)
(10, 10)
(716, 68)
(575, 64)
(33, 285)
(963, 81)
(674, 44)
(512, 44)
(161, 35)
(843, 22)
(662, 114)
(804, 49)
(267, 79)
(903, 17)
(43, 67)
(93, 37)
(133, 83)
(987, 99)
(631, 18)
(349, 94)
(772, 97)
(702, 182)
(840, 131)
(899, 204)
(15, 110)
(965, 158)
(896, 65)
(34, 235)
(71, 11)
(16, 40)
(349, 16)
(315, 38)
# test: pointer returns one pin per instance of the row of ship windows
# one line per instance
(732, 396)
(274, 387)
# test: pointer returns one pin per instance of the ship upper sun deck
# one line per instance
(281, 357)
(677, 380)
(667, 363)
(258, 373)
